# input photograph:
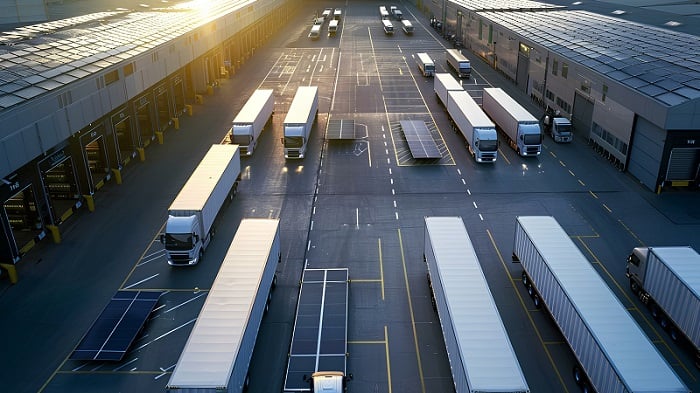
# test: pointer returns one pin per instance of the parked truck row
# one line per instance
(667, 280)
(612, 351)
(520, 127)
(478, 130)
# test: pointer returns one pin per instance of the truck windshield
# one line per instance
(488, 145)
(532, 139)
(564, 129)
(293, 141)
(178, 241)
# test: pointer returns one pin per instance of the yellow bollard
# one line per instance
(142, 153)
(198, 99)
(188, 108)
(90, 201)
(176, 123)
(11, 272)
(159, 136)
(117, 175)
(55, 233)
(210, 90)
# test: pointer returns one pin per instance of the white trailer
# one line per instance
(613, 353)
(667, 280)
(459, 63)
(444, 83)
(426, 65)
(218, 351)
(192, 214)
(520, 127)
(299, 121)
(407, 26)
(478, 130)
(481, 356)
(251, 120)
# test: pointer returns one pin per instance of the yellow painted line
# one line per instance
(562, 164)
(582, 183)
(619, 287)
(381, 265)
(504, 156)
(641, 243)
(554, 342)
(607, 208)
(367, 342)
(593, 194)
(143, 254)
(388, 361)
(529, 316)
(413, 319)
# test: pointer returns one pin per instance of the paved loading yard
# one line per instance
(357, 204)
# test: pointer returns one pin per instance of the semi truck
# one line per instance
(217, 354)
(612, 351)
(557, 126)
(458, 62)
(407, 26)
(251, 120)
(192, 214)
(426, 65)
(480, 353)
(443, 84)
(478, 130)
(667, 280)
(299, 121)
(520, 127)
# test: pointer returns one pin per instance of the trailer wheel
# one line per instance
(585, 387)
(578, 375)
(654, 311)
(536, 300)
(530, 289)
(524, 278)
(246, 382)
(673, 332)
(274, 281)
(663, 321)
(634, 287)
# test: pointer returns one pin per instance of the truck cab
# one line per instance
(328, 382)
(184, 245)
(636, 267)
(557, 126)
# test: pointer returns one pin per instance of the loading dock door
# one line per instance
(24, 218)
(647, 149)
(683, 165)
(60, 181)
(145, 121)
(582, 118)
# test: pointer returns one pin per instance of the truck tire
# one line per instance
(634, 287)
(673, 332)
(524, 278)
(536, 300)
(654, 310)
(530, 289)
(578, 376)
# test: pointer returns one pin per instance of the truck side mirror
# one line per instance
(196, 238)
(162, 238)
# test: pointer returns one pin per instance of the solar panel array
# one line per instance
(111, 335)
(38, 58)
(504, 5)
(319, 340)
(659, 63)
(341, 129)
(419, 139)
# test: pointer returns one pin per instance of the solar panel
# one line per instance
(319, 340)
(341, 129)
(116, 328)
(419, 139)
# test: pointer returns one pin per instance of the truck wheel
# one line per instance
(201, 254)
(634, 287)
(246, 382)
(530, 290)
(274, 281)
(654, 311)
(663, 322)
(524, 278)
(586, 388)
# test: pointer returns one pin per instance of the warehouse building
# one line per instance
(82, 97)
(631, 90)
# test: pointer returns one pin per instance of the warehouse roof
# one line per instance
(38, 58)
(659, 63)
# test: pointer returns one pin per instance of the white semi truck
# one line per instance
(478, 130)
(612, 351)
(458, 62)
(557, 126)
(192, 214)
(481, 356)
(443, 84)
(251, 120)
(667, 280)
(520, 127)
(218, 351)
(299, 121)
